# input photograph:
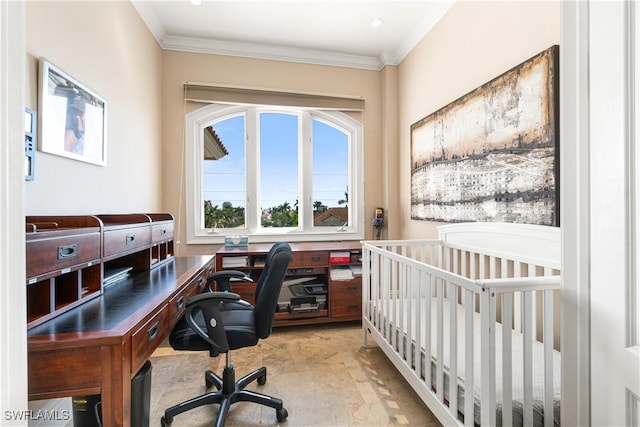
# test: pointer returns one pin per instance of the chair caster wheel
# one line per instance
(281, 414)
(262, 380)
(164, 422)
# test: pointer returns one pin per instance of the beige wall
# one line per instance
(180, 67)
(474, 42)
(107, 47)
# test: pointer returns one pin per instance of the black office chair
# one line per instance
(220, 322)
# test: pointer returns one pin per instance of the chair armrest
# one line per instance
(223, 279)
(215, 295)
(210, 304)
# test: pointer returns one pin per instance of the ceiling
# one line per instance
(331, 32)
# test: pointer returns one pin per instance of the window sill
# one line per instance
(218, 239)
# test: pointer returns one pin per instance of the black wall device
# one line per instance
(29, 144)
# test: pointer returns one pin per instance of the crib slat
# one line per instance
(453, 349)
(439, 340)
(472, 265)
(517, 300)
(487, 359)
(419, 316)
(548, 358)
(469, 410)
(463, 264)
(534, 309)
(394, 306)
(386, 295)
(507, 395)
(527, 338)
(408, 308)
(427, 333)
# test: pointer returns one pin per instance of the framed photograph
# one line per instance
(72, 117)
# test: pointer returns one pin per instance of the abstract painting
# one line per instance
(492, 155)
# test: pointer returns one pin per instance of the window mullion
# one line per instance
(252, 148)
(306, 171)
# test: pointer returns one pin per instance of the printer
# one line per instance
(305, 294)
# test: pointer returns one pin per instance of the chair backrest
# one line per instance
(268, 287)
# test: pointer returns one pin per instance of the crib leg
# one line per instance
(365, 334)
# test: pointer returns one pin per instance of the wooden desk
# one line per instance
(98, 347)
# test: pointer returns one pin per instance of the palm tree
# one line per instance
(346, 198)
(318, 206)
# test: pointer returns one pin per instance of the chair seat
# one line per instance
(238, 326)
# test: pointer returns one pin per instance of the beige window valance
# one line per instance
(200, 92)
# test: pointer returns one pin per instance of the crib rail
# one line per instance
(464, 327)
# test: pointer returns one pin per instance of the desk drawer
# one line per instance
(48, 255)
(126, 239)
(60, 370)
(178, 303)
(146, 339)
(161, 232)
(346, 298)
(309, 259)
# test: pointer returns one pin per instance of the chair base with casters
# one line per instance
(220, 322)
(228, 392)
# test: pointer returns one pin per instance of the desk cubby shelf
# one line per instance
(71, 259)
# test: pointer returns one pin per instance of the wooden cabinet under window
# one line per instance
(323, 282)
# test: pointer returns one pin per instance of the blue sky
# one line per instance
(224, 178)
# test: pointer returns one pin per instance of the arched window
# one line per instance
(273, 173)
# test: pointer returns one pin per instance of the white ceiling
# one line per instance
(332, 32)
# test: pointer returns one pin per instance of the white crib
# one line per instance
(481, 305)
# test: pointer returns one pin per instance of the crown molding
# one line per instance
(440, 9)
(266, 51)
(288, 53)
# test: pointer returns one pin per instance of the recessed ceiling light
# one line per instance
(376, 22)
(196, 2)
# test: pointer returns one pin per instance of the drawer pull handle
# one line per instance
(180, 302)
(352, 288)
(153, 331)
(130, 238)
(315, 259)
(67, 251)
(164, 231)
(352, 307)
(200, 282)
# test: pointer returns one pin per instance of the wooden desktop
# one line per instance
(85, 338)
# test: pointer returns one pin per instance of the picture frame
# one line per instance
(492, 155)
(72, 117)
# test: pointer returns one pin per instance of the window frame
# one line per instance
(195, 123)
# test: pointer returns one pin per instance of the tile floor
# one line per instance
(321, 372)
